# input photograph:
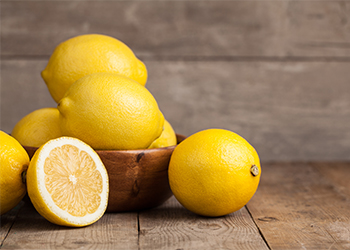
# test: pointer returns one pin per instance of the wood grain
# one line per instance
(275, 72)
(287, 110)
(183, 29)
(112, 231)
(7, 221)
(338, 173)
(171, 226)
(295, 207)
(22, 91)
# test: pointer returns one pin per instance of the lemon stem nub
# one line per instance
(24, 176)
(254, 170)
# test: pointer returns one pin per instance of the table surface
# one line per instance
(297, 206)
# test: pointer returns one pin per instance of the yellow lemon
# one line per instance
(38, 127)
(110, 111)
(14, 160)
(68, 183)
(87, 54)
(166, 139)
(214, 172)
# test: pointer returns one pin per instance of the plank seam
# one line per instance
(138, 230)
(334, 185)
(8, 232)
(207, 58)
(245, 58)
(259, 230)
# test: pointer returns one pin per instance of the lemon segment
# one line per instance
(13, 161)
(68, 183)
(38, 127)
(214, 172)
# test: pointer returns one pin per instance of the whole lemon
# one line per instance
(214, 172)
(86, 54)
(167, 138)
(13, 161)
(110, 111)
(38, 127)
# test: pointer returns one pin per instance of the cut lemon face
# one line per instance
(68, 183)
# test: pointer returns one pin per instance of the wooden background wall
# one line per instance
(275, 72)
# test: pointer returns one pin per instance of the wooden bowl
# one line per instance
(138, 179)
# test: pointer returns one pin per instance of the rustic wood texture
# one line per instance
(7, 222)
(183, 28)
(296, 207)
(338, 174)
(112, 231)
(171, 226)
(287, 110)
(276, 72)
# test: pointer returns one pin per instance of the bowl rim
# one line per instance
(179, 138)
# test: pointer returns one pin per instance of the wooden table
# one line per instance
(297, 206)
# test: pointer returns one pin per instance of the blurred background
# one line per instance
(275, 72)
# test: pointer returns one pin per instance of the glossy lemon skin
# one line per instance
(38, 127)
(88, 54)
(14, 160)
(110, 111)
(166, 139)
(210, 172)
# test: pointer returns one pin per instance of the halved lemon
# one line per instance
(68, 183)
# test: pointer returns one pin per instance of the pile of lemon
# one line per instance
(102, 103)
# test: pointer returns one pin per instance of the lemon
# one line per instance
(68, 183)
(87, 54)
(38, 127)
(110, 111)
(214, 172)
(14, 160)
(166, 139)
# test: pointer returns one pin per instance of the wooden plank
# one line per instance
(183, 29)
(22, 91)
(112, 231)
(276, 106)
(286, 110)
(338, 173)
(171, 226)
(7, 221)
(295, 207)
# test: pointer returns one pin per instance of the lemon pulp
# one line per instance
(72, 180)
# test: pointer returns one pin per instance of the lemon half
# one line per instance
(68, 183)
